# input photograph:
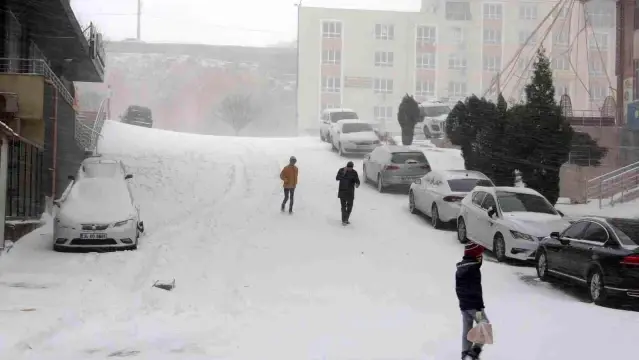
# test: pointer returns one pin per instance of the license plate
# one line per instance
(93, 236)
(408, 178)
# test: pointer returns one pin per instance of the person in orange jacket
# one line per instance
(289, 176)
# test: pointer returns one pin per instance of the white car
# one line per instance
(330, 117)
(439, 193)
(97, 166)
(510, 221)
(98, 212)
(354, 137)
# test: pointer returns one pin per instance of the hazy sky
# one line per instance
(230, 22)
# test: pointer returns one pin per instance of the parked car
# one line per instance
(330, 117)
(97, 166)
(353, 137)
(439, 193)
(599, 253)
(510, 221)
(138, 115)
(392, 165)
(97, 212)
(433, 115)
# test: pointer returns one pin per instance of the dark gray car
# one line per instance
(392, 165)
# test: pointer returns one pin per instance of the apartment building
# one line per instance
(367, 60)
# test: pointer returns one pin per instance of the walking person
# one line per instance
(348, 181)
(289, 177)
(471, 300)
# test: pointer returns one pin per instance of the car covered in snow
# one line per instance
(509, 221)
(354, 137)
(98, 166)
(330, 116)
(97, 212)
(138, 115)
(439, 193)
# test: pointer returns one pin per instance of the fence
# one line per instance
(616, 156)
(25, 198)
(87, 131)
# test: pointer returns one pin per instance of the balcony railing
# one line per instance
(25, 198)
(35, 67)
(87, 131)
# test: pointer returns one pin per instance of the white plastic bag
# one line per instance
(482, 333)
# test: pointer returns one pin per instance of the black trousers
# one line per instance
(347, 207)
(288, 193)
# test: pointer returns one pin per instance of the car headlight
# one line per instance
(522, 236)
(122, 223)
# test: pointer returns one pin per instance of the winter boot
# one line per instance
(474, 352)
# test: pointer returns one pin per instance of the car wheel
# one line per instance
(596, 288)
(499, 248)
(461, 230)
(380, 184)
(366, 179)
(411, 203)
(137, 240)
(322, 136)
(435, 221)
(542, 266)
(332, 145)
(340, 150)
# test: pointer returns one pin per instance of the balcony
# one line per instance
(35, 67)
(58, 34)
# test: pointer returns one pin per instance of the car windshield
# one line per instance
(627, 230)
(140, 112)
(512, 202)
(100, 170)
(343, 115)
(466, 185)
(356, 127)
(403, 157)
(434, 111)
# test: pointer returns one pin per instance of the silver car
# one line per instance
(392, 165)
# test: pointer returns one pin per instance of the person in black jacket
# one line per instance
(348, 181)
(469, 293)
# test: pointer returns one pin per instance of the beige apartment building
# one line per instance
(367, 60)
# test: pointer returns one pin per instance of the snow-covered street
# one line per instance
(253, 283)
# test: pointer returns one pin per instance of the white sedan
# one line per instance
(98, 166)
(353, 137)
(439, 193)
(510, 221)
(97, 213)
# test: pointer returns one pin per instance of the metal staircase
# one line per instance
(615, 187)
(88, 127)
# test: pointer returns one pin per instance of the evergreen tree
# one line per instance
(502, 169)
(408, 115)
(590, 151)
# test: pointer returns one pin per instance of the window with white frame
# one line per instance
(524, 35)
(492, 11)
(384, 32)
(383, 113)
(492, 36)
(598, 41)
(561, 37)
(456, 88)
(598, 93)
(458, 10)
(331, 84)
(560, 62)
(601, 14)
(384, 58)
(425, 60)
(459, 34)
(383, 86)
(528, 12)
(522, 63)
(331, 29)
(329, 106)
(426, 34)
(457, 61)
(492, 63)
(331, 57)
(596, 66)
(425, 88)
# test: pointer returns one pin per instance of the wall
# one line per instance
(29, 89)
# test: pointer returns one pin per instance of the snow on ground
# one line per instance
(253, 283)
(628, 209)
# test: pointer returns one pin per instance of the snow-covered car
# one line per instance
(97, 166)
(439, 193)
(354, 137)
(330, 116)
(434, 114)
(510, 221)
(98, 212)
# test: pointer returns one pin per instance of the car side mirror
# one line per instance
(492, 211)
(555, 235)
(418, 181)
(128, 176)
(56, 203)
(71, 177)
(560, 213)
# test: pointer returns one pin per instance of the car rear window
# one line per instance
(403, 157)
(100, 170)
(513, 202)
(343, 115)
(627, 230)
(467, 185)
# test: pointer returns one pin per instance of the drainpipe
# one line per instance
(55, 142)
(4, 169)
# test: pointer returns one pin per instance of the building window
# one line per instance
(331, 29)
(560, 62)
(425, 88)
(426, 60)
(492, 63)
(384, 58)
(384, 32)
(492, 36)
(492, 11)
(426, 34)
(522, 63)
(524, 35)
(457, 89)
(528, 12)
(331, 57)
(383, 86)
(601, 15)
(458, 10)
(457, 62)
(331, 84)
(598, 93)
(598, 42)
(563, 13)
(561, 37)
(561, 89)
(383, 113)
(596, 67)
(459, 35)
(330, 106)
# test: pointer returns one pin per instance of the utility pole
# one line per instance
(139, 18)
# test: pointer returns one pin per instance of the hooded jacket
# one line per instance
(347, 181)
(468, 284)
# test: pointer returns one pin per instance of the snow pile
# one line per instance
(444, 158)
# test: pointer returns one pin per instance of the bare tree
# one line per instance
(238, 111)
